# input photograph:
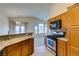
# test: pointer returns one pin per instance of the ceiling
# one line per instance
(38, 10)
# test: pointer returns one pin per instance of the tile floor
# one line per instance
(39, 48)
(42, 51)
(38, 42)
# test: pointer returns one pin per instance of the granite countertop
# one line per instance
(6, 43)
(63, 39)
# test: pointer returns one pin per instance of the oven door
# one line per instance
(51, 44)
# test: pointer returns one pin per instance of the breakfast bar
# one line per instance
(17, 46)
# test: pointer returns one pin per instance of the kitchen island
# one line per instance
(18, 46)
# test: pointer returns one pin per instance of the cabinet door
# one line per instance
(65, 20)
(74, 16)
(31, 46)
(25, 48)
(61, 50)
(25, 51)
(16, 52)
(73, 42)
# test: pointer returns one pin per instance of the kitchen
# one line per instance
(65, 44)
(58, 40)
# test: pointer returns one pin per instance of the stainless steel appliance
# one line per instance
(51, 44)
(55, 24)
(52, 41)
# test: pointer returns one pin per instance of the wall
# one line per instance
(4, 25)
(11, 26)
(31, 22)
(59, 8)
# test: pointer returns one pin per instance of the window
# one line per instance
(22, 29)
(41, 28)
(19, 28)
(36, 29)
(45, 28)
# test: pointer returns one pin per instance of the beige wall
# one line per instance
(59, 8)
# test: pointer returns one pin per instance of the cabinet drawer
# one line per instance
(61, 42)
(14, 47)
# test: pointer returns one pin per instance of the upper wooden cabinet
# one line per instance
(73, 15)
(55, 18)
(73, 42)
(65, 20)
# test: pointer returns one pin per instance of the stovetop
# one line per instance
(54, 36)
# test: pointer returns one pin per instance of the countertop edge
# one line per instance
(63, 39)
(4, 44)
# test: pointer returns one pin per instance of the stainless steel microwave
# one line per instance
(55, 24)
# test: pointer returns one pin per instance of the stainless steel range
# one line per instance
(52, 41)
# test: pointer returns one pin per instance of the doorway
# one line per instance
(39, 32)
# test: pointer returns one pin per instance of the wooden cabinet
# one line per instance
(25, 51)
(74, 16)
(13, 47)
(70, 20)
(28, 47)
(61, 48)
(16, 52)
(23, 48)
(65, 20)
(55, 18)
(31, 46)
(73, 42)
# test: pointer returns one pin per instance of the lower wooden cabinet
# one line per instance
(16, 52)
(31, 46)
(73, 51)
(25, 51)
(24, 48)
(61, 48)
(73, 42)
